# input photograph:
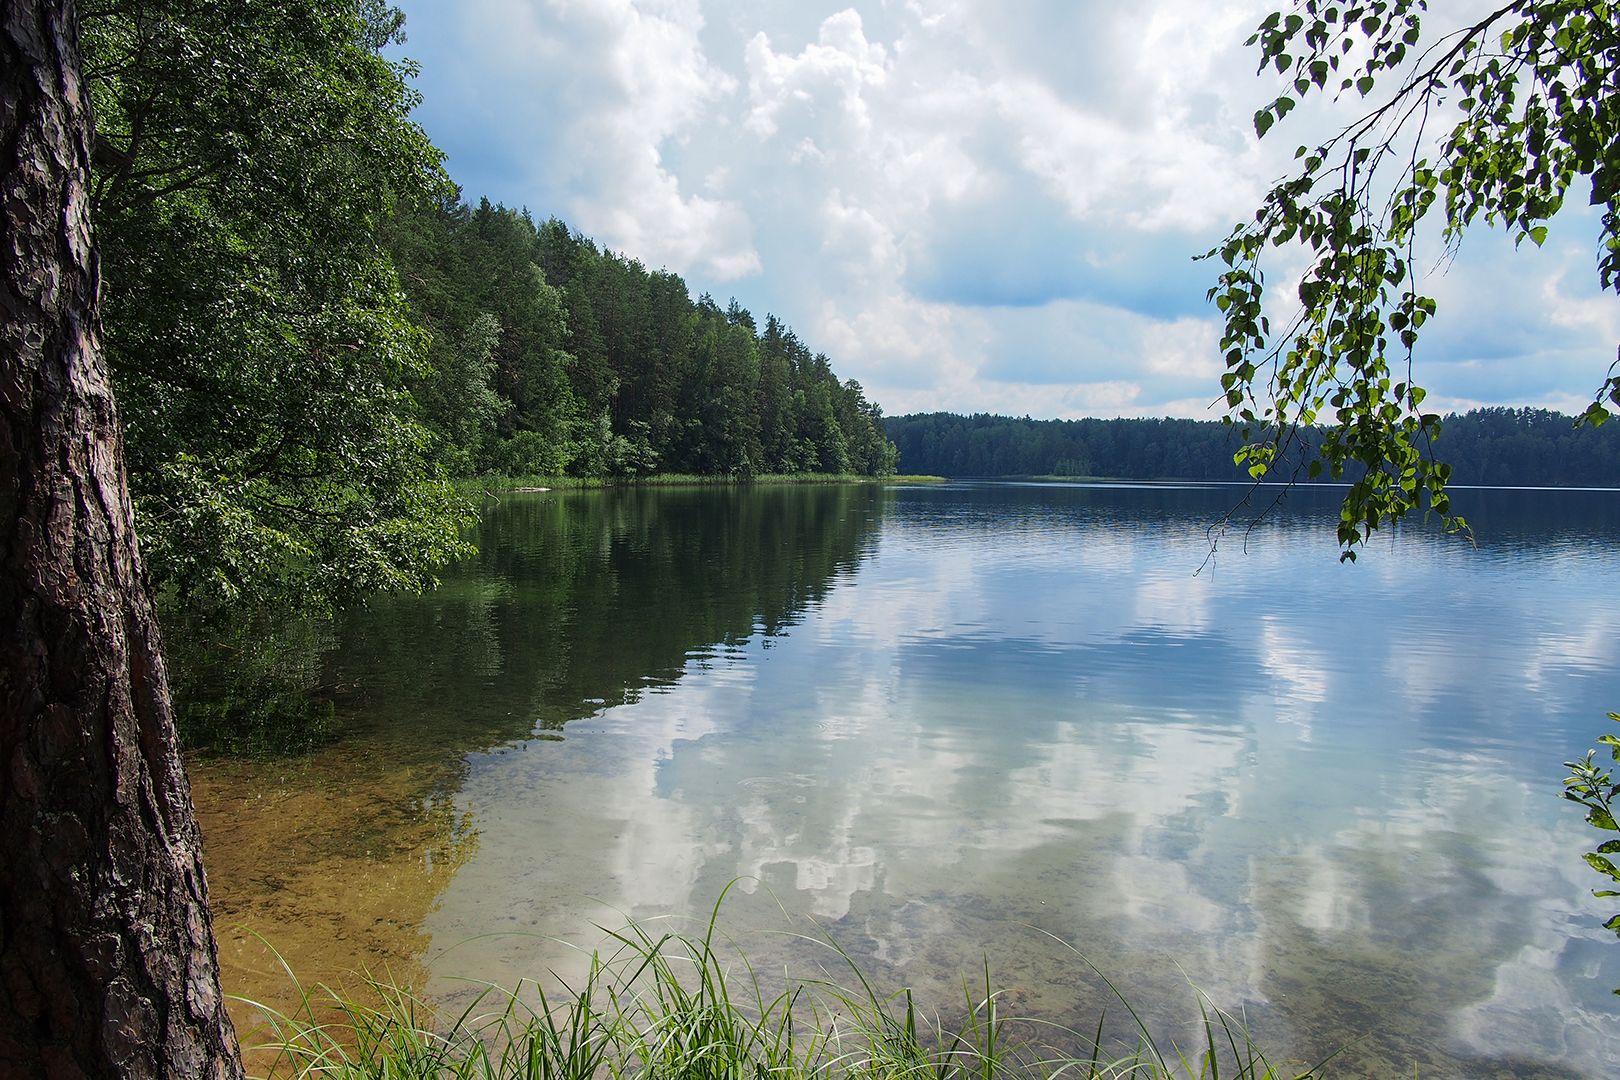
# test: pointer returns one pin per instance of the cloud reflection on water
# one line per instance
(1251, 779)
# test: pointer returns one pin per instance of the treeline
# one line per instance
(1500, 447)
(550, 356)
(1529, 448)
(948, 444)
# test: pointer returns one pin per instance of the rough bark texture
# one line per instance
(107, 958)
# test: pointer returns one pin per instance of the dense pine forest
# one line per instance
(552, 357)
(1500, 447)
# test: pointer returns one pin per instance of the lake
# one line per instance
(954, 725)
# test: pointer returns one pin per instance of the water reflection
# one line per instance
(931, 720)
(577, 603)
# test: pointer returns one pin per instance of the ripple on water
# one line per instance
(777, 783)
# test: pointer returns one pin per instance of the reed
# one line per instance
(678, 1007)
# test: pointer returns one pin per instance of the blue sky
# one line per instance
(967, 205)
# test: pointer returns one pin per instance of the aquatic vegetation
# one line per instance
(679, 1007)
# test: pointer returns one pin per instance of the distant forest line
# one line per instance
(1492, 447)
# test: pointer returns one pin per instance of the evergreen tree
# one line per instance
(605, 368)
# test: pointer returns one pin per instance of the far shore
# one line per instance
(517, 485)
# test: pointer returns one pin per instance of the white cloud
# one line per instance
(580, 100)
(842, 61)
(1189, 347)
(1162, 176)
(935, 193)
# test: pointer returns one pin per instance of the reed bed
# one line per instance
(677, 1007)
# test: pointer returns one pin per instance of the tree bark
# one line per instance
(107, 958)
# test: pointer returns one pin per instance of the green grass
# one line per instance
(676, 1007)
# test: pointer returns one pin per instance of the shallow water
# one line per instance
(948, 725)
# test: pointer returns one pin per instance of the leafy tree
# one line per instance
(1537, 87)
(245, 157)
(459, 399)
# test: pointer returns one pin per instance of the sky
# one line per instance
(968, 205)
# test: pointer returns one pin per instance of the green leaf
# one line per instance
(1538, 119)
(1602, 865)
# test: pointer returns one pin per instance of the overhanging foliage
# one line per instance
(1538, 88)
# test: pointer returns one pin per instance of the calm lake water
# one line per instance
(949, 725)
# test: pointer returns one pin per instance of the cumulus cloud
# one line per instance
(967, 205)
(569, 108)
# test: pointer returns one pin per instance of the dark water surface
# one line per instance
(945, 724)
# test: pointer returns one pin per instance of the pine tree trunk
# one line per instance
(107, 957)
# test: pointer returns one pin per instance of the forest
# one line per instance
(1493, 447)
(311, 334)
(551, 357)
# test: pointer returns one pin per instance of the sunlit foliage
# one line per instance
(1536, 91)
(245, 155)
